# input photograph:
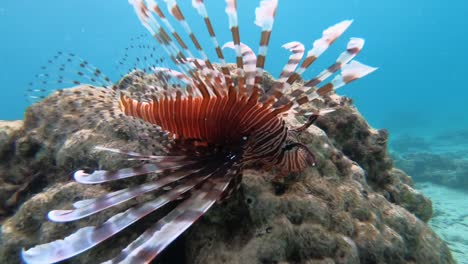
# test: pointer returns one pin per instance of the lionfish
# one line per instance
(223, 120)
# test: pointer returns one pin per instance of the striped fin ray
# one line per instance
(297, 49)
(155, 8)
(88, 237)
(250, 61)
(152, 25)
(177, 56)
(176, 74)
(214, 76)
(89, 71)
(231, 11)
(100, 176)
(201, 9)
(61, 70)
(159, 236)
(264, 18)
(329, 36)
(141, 156)
(350, 72)
(140, 54)
(176, 12)
(87, 202)
(92, 206)
(353, 48)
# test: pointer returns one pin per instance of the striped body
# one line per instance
(239, 123)
(215, 121)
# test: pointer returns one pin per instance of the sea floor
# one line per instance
(450, 220)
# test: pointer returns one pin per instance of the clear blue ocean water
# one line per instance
(420, 47)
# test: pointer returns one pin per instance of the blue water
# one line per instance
(419, 46)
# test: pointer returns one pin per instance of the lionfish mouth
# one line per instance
(219, 121)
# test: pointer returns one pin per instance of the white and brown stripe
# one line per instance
(231, 11)
(297, 49)
(176, 12)
(96, 205)
(264, 18)
(201, 9)
(161, 36)
(281, 87)
(90, 236)
(250, 61)
(329, 36)
(154, 7)
(309, 90)
(350, 72)
(354, 47)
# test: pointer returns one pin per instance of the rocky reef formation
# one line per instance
(441, 159)
(353, 207)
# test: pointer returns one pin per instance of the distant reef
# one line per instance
(353, 207)
(440, 159)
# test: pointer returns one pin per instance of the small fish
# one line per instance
(217, 121)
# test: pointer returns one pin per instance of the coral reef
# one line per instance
(444, 161)
(10, 187)
(353, 207)
(444, 169)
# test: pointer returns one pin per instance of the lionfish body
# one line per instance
(222, 121)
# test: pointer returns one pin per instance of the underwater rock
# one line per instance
(353, 207)
(445, 169)
(8, 187)
(442, 162)
(350, 133)
(7, 129)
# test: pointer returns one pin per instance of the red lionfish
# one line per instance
(223, 121)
